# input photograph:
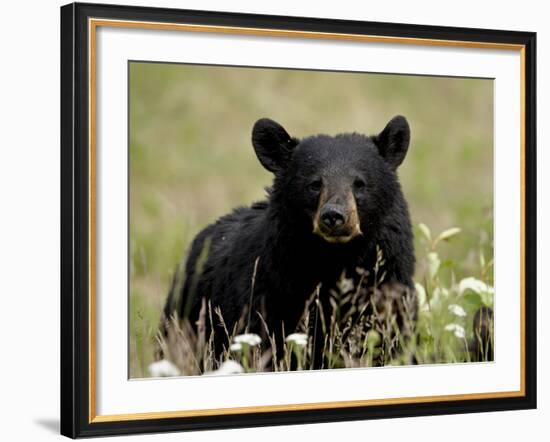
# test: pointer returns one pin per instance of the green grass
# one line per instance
(191, 161)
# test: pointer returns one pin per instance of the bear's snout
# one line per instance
(337, 220)
(333, 217)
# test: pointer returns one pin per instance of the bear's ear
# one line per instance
(273, 145)
(393, 141)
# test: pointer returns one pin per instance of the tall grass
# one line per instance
(442, 321)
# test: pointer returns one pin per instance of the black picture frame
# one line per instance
(75, 220)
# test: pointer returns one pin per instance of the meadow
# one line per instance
(191, 161)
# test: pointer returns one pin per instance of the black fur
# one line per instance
(278, 232)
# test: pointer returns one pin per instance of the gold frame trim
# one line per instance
(93, 24)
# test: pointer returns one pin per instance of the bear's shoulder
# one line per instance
(240, 221)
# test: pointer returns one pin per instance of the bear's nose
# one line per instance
(333, 217)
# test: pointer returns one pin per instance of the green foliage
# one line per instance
(447, 304)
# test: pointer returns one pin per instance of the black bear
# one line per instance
(335, 204)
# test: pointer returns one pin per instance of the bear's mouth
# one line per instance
(340, 236)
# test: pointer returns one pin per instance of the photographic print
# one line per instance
(283, 220)
(300, 220)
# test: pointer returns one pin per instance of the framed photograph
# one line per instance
(274, 220)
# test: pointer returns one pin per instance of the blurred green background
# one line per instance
(191, 159)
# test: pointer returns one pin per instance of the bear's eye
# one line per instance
(315, 186)
(359, 184)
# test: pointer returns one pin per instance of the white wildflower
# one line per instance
(475, 285)
(236, 347)
(458, 330)
(250, 339)
(457, 310)
(163, 368)
(298, 339)
(227, 367)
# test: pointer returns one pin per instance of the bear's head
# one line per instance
(340, 187)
